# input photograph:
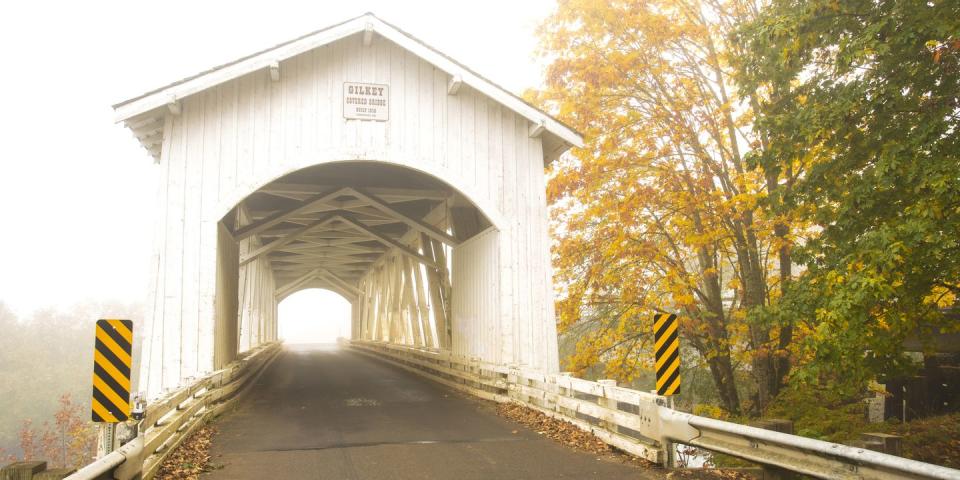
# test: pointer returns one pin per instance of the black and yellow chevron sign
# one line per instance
(111, 371)
(666, 341)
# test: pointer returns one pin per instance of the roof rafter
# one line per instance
(413, 223)
(390, 242)
(335, 279)
(288, 287)
(280, 217)
(285, 240)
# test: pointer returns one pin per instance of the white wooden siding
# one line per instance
(476, 306)
(232, 139)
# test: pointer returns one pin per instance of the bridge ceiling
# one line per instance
(326, 226)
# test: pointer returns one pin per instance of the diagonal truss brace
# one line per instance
(280, 217)
(413, 223)
(389, 241)
(287, 239)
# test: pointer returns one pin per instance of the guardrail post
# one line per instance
(669, 448)
(474, 368)
(609, 403)
(513, 375)
(106, 439)
(881, 442)
(782, 426)
(22, 470)
(563, 392)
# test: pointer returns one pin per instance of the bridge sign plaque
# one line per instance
(112, 356)
(667, 357)
(366, 101)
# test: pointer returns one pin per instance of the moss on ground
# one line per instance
(823, 415)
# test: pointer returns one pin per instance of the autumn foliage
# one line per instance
(68, 441)
(660, 210)
(718, 181)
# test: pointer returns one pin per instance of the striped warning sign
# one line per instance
(667, 358)
(111, 370)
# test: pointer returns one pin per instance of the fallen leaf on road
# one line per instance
(190, 459)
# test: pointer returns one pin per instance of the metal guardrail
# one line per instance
(642, 424)
(172, 418)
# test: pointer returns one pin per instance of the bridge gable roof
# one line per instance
(140, 111)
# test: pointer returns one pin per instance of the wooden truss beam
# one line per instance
(393, 195)
(291, 286)
(413, 223)
(285, 240)
(279, 217)
(390, 242)
(339, 281)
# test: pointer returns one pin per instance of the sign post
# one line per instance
(112, 359)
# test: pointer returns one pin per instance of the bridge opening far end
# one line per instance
(313, 316)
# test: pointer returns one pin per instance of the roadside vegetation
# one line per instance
(781, 175)
(47, 360)
(784, 175)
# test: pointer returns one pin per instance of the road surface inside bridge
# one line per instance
(325, 412)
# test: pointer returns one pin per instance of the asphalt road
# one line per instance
(322, 412)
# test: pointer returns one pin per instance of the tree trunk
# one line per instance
(722, 370)
(781, 230)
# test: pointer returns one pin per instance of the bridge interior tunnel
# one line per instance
(386, 238)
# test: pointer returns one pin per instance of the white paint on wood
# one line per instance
(476, 307)
(367, 34)
(275, 71)
(365, 25)
(456, 81)
(240, 134)
(173, 105)
(537, 129)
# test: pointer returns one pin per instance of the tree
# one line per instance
(660, 210)
(868, 94)
(46, 355)
(69, 441)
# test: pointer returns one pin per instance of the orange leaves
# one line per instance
(68, 441)
(659, 210)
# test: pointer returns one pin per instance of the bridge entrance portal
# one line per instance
(382, 236)
(356, 159)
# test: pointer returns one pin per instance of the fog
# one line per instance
(77, 191)
(313, 316)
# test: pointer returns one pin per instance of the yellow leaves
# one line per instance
(710, 411)
(882, 323)
(834, 279)
(942, 296)
(684, 299)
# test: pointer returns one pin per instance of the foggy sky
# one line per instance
(76, 190)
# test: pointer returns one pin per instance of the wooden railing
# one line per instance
(172, 418)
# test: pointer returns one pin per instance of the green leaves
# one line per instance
(867, 93)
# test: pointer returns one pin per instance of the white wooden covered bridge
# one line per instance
(359, 160)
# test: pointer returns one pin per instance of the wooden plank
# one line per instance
(409, 303)
(246, 258)
(280, 217)
(339, 281)
(413, 223)
(389, 241)
(436, 298)
(424, 316)
(293, 285)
